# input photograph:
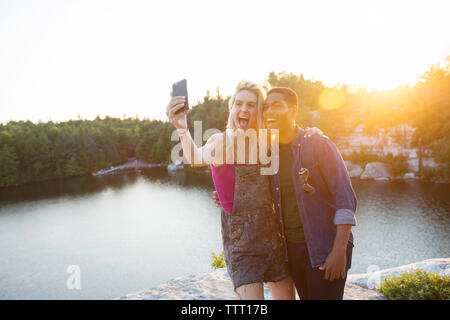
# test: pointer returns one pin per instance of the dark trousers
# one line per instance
(311, 283)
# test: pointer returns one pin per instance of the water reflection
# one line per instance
(400, 222)
(72, 187)
(157, 225)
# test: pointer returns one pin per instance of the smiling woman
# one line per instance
(245, 110)
(251, 239)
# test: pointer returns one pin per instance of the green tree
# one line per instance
(9, 166)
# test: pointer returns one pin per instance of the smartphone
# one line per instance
(179, 89)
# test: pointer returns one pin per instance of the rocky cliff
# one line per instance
(217, 285)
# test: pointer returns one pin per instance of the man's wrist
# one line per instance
(339, 248)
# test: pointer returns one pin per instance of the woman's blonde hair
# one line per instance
(260, 90)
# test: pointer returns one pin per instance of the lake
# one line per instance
(129, 232)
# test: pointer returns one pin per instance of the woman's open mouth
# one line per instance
(243, 121)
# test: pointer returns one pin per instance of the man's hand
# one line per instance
(335, 264)
(309, 132)
(215, 198)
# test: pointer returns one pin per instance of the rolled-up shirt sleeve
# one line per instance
(345, 216)
(339, 184)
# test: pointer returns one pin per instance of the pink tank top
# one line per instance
(223, 177)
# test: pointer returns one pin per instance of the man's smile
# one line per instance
(271, 121)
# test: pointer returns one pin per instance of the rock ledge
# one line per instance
(217, 285)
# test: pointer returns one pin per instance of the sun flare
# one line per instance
(332, 98)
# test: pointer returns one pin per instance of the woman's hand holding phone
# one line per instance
(177, 119)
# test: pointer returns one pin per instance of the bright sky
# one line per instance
(59, 58)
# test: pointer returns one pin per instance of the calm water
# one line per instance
(128, 232)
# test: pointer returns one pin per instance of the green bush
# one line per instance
(362, 157)
(416, 285)
(397, 165)
(440, 174)
(441, 147)
(218, 261)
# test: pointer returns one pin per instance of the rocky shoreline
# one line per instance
(217, 285)
(379, 171)
(372, 171)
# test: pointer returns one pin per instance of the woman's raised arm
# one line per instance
(195, 155)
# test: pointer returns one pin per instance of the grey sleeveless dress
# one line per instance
(251, 239)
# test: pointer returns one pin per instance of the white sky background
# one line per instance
(59, 59)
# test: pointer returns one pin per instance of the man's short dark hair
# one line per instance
(289, 95)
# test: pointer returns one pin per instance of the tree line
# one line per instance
(425, 106)
(32, 152)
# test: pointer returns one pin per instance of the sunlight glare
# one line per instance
(331, 99)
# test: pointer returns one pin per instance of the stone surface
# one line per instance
(175, 167)
(217, 285)
(376, 171)
(368, 280)
(409, 175)
(349, 165)
(430, 162)
(355, 172)
(413, 165)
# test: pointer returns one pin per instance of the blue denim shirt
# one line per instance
(333, 201)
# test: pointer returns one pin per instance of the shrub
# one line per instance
(362, 157)
(440, 174)
(416, 284)
(218, 261)
(397, 165)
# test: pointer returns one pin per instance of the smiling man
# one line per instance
(314, 201)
